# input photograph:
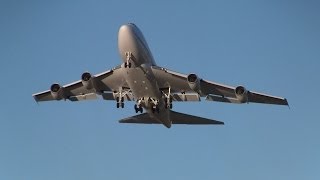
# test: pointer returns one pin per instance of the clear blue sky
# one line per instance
(267, 46)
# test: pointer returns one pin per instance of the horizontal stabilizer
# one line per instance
(176, 118)
(180, 118)
(144, 118)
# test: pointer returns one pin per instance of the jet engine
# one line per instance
(87, 80)
(194, 83)
(57, 91)
(241, 94)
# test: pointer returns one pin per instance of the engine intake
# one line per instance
(57, 91)
(87, 80)
(194, 83)
(241, 94)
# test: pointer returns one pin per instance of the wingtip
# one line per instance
(35, 98)
(219, 123)
(121, 121)
(286, 102)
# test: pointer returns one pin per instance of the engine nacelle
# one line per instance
(241, 94)
(57, 91)
(194, 83)
(87, 80)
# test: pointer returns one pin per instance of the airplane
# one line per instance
(153, 88)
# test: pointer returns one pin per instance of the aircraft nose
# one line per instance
(126, 29)
(127, 40)
(126, 34)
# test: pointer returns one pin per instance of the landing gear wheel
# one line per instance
(168, 106)
(136, 108)
(155, 109)
(120, 103)
(168, 103)
(127, 65)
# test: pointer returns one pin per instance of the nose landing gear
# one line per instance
(129, 56)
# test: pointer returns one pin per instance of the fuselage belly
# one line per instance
(137, 61)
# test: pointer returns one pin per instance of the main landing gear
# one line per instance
(155, 105)
(129, 56)
(120, 102)
(155, 109)
(168, 103)
(167, 99)
(138, 106)
(119, 96)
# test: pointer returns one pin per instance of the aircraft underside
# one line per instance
(153, 88)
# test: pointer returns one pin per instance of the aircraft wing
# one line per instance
(107, 81)
(211, 90)
(176, 118)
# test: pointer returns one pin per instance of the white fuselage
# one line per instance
(139, 75)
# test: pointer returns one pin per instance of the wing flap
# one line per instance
(222, 99)
(112, 96)
(186, 97)
(89, 96)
